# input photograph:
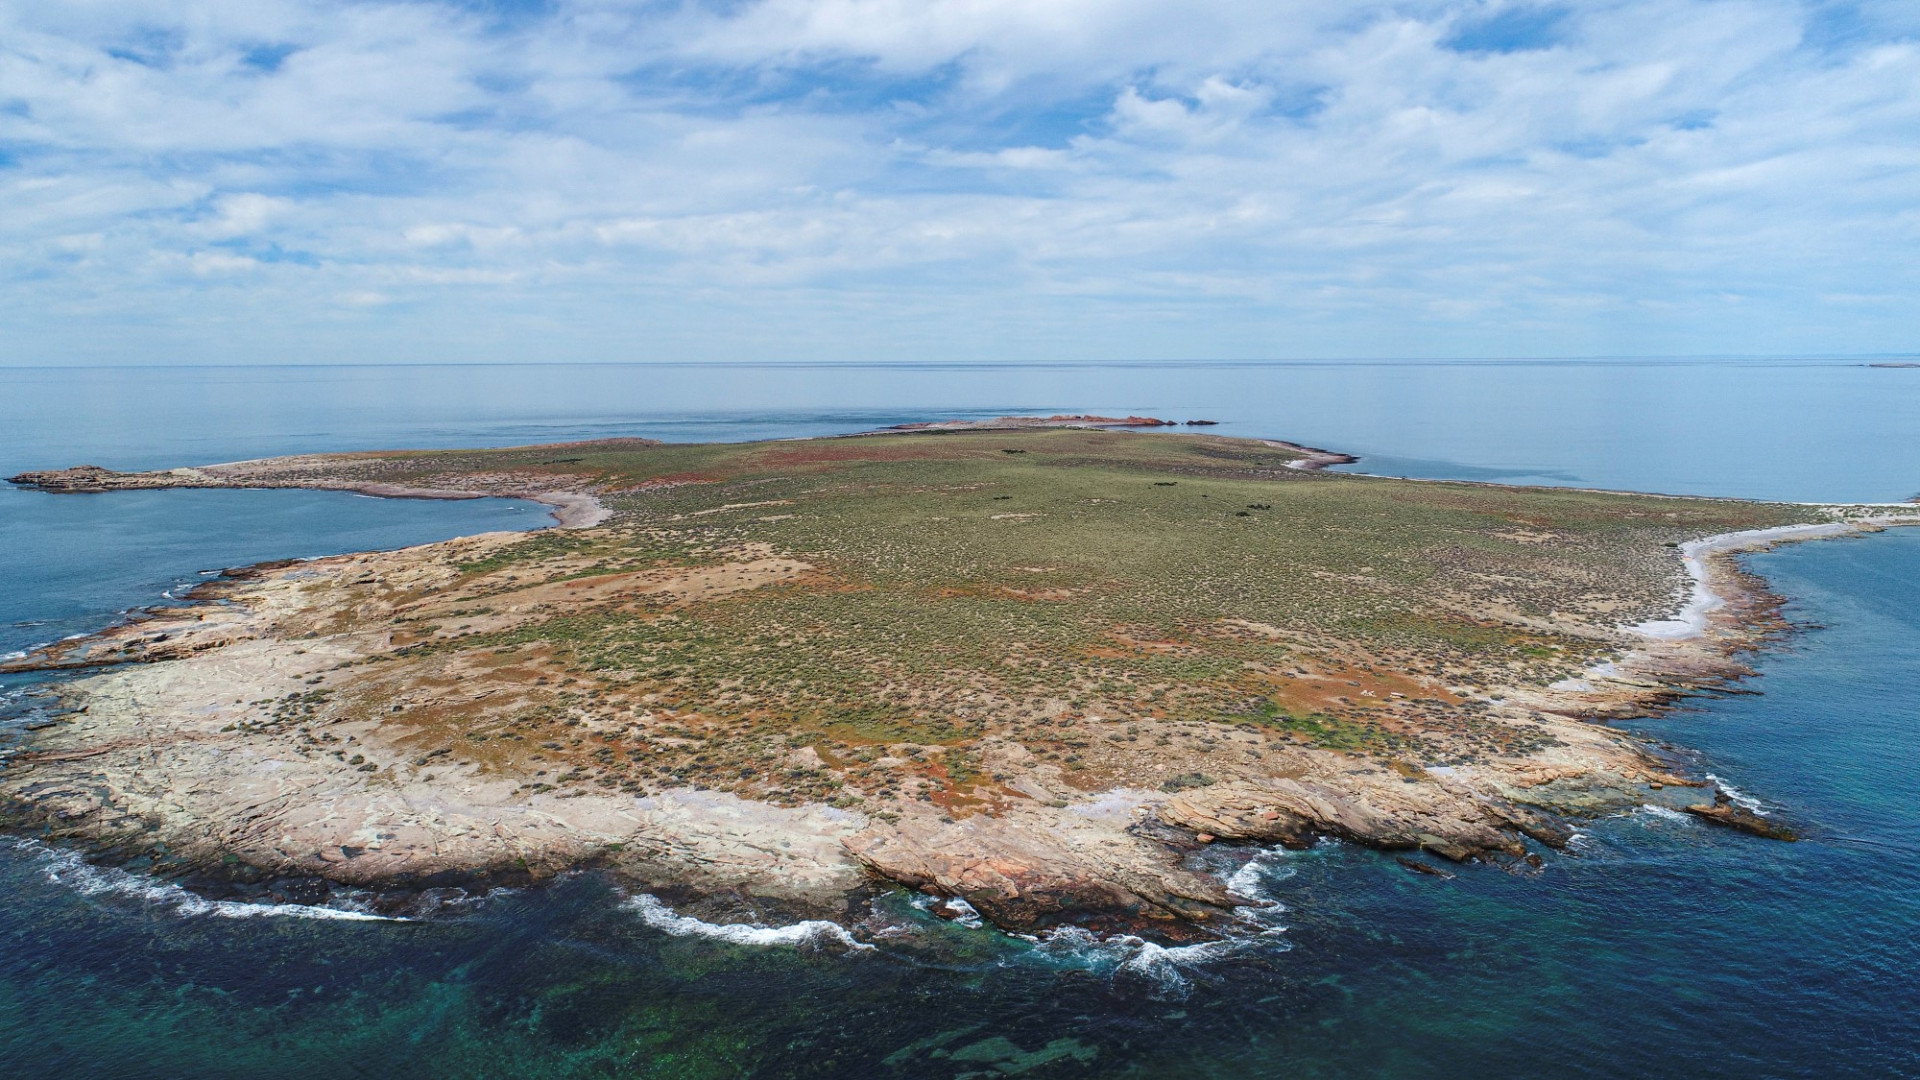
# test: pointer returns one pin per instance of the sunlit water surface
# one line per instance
(1656, 947)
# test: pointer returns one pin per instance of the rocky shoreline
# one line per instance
(204, 743)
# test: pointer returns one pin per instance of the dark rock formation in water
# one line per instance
(1725, 812)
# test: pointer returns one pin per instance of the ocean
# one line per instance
(1654, 946)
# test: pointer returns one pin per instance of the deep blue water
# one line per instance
(1656, 947)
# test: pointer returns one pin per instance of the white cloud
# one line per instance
(218, 262)
(244, 214)
(1129, 177)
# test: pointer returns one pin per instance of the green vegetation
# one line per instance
(1055, 588)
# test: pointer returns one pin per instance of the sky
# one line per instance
(263, 181)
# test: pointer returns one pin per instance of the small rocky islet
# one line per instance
(1035, 664)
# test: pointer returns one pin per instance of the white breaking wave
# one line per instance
(1738, 797)
(955, 909)
(808, 932)
(1168, 967)
(1263, 910)
(69, 869)
(1250, 881)
(1664, 813)
(1165, 966)
(963, 913)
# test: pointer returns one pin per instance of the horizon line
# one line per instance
(1380, 361)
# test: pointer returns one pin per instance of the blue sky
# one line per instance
(291, 180)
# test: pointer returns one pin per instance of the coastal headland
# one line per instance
(1034, 664)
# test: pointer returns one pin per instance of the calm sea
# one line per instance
(1655, 947)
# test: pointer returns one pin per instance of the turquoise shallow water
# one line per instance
(1655, 947)
(70, 559)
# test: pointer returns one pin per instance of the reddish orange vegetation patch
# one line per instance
(1127, 646)
(528, 663)
(1334, 687)
(975, 795)
(811, 581)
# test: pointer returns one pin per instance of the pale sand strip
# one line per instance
(1703, 599)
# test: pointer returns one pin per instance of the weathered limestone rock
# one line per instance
(1036, 866)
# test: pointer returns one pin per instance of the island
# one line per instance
(1041, 666)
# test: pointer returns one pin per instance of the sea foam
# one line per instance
(1166, 968)
(1169, 968)
(69, 869)
(1736, 796)
(954, 909)
(807, 932)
